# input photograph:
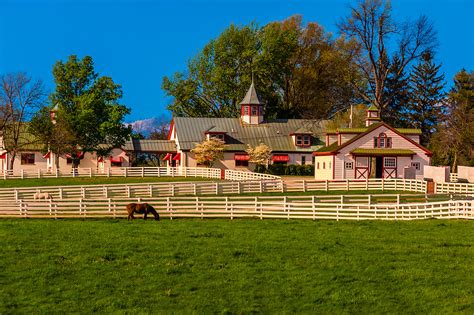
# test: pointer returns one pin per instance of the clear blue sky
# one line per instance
(139, 42)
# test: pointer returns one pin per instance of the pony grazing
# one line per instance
(141, 208)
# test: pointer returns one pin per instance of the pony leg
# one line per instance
(145, 215)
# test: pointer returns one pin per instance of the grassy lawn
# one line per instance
(240, 266)
(32, 182)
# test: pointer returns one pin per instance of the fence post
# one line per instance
(282, 183)
(383, 184)
(217, 188)
(158, 171)
(150, 190)
(83, 192)
(57, 173)
(60, 193)
(50, 208)
(108, 171)
(304, 185)
(313, 206)
(347, 184)
(128, 191)
(125, 173)
(172, 190)
(90, 172)
(39, 173)
(22, 174)
(16, 194)
(327, 183)
(260, 183)
(143, 172)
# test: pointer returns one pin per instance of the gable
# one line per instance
(399, 141)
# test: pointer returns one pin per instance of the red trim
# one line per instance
(333, 167)
(324, 153)
(171, 129)
(47, 155)
(177, 157)
(3, 156)
(78, 154)
(167, 157)
(118, 160)
(241, 157)
(100, 159)
(280, 158)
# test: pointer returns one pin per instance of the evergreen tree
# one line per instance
(426, 96)
(453, 144)
(397, 91)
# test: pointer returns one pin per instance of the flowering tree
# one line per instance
(209, 151)
(259, 155)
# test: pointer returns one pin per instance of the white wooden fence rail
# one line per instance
(451, 188)
(138, 172)
(149, 190)
(303, 207)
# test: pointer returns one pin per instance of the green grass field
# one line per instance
(32, 182)
(240, 266)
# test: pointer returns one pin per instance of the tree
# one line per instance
(426, 97)
(342, 119)
(372, 26)
(88, 110)
(453, 144)
(209, 151)
(397, 89)
(20, 97)
(260, 155)
(298, 70)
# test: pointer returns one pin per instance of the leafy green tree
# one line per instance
(453, 144)
(88, 111)
(299, 71)
(426, 97)
(342, 119)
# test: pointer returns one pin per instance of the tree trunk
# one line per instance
(11, 162)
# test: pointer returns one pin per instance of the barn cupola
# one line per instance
(373, 115)
(251, 107)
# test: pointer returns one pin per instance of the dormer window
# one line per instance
(219, 136)
(303, 140)
(254, 110)
(382, 141)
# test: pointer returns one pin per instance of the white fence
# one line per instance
(150, 190)
(139, 172)
(301, 207)
(453, 177)
(454, 188)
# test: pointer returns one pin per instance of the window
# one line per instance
(68, 160)
(349, 165)
(27, 158)
(116, 163)
(241, 163)
(318, 166)
(219, 136)
(390, 162)
(303, 160)
(362, 162)
(246, 110)
(303, 140)
(254, 110)
(324, 165)
(382, 141)
(416, 165)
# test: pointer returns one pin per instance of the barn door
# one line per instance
(362, 167)
(390, 167)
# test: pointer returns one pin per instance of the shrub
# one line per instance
(297, 170)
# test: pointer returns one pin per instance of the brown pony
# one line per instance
(141, 208)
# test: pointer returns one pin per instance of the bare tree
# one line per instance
(20, 98)
(382, 40)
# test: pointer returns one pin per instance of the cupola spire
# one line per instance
(251, 106)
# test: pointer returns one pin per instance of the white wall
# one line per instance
(439, 174)
(466, 173)
(325, 170)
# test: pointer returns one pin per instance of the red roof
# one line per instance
(167, 157)
(116, 160)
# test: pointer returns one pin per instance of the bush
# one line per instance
(260, 169)
(296, 170)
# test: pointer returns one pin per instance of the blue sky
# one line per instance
(139, 42)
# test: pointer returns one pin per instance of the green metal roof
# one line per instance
(404, 131)
(373, 107)
(329, 148)
(275, 133)
(381, 152)
(156, 146)
(409, 131)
